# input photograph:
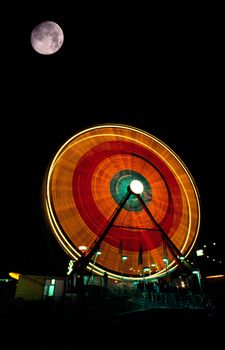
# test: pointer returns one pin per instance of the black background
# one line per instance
(157, 67)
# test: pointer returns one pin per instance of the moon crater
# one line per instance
(47, 38)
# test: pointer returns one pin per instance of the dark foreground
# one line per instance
(88, 322)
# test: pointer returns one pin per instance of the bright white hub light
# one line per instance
(136, 186)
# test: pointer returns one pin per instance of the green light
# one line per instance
(70, 267)
(51, 289)
(120, 183)
(166, 261)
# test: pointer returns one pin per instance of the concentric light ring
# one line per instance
(88, 178)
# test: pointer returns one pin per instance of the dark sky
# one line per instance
(158, 68)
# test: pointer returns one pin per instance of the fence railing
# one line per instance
(173, 300)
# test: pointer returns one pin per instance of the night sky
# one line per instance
(158, 68)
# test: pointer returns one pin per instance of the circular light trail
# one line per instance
(88, 179)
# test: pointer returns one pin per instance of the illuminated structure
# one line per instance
(118, 188)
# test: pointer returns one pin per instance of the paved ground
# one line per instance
(85, 323)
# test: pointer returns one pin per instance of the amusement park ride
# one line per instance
(117, 189)
(135, 188)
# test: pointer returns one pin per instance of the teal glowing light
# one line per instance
(119, 186)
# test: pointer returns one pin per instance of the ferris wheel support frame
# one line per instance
(82, 262)
(179, 257)
(85, 258)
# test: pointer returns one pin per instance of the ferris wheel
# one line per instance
(120, 201)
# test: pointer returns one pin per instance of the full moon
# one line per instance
(47, 38)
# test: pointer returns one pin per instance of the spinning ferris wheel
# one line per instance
(120, 201)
